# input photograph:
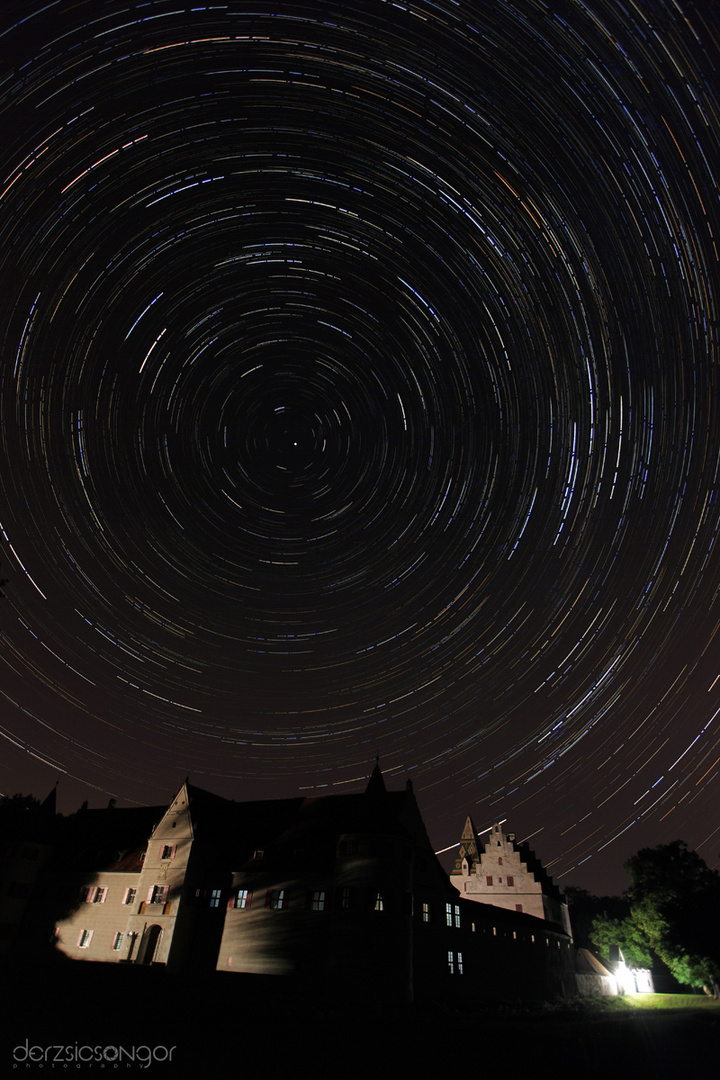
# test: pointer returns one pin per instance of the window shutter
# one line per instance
(268, 894)
(165, 892)
(231, 903)
(249, 900)
(149, 895)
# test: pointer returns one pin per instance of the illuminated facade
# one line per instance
(498, 870)
(341, 895)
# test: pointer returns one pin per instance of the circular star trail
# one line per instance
(360, 395)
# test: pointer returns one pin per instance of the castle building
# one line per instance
(507, 874)
(340, 896)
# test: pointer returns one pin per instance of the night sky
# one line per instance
(360, 371)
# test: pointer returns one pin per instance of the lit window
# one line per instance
(215, 897)
(129, 897)
(457, 915)
(85, 939)
(117, 941)
(243, 899)
(318, 900)
(168, 851)
(448, 914)
(426, 913)
(379, 902)
(276, 899)
(511, 881)
(455, 963)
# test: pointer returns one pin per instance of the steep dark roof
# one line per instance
(292, 832)
(108, 839)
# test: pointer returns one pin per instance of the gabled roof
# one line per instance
(109, 839)
(292, 832)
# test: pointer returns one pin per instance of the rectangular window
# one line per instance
(215, 895)
(518, 907)
(511, 881)
(451, 963)
(276, 899)
(243, 899)
(345, 898)
(318, 900)
(86, 894)
(85, 939)
(129, 897)
(379, 902)
(448, 914)
(117, 941)
(499, 860)
(158, 894)
(459, 963)
(426, 913)
(168, 851)
(457, 915)
(100, 895)
(489, 879)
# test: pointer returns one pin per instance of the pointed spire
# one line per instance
(49, 803)
(376, 784)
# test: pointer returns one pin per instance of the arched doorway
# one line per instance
(148, 944)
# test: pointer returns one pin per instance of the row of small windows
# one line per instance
(276, 899)
(509, 880)
(317, 900)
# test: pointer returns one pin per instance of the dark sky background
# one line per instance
(360, 396)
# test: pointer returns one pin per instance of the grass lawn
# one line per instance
(672, 1001)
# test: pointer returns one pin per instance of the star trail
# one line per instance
(360, 396)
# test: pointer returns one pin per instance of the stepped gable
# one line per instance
(536, 868)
